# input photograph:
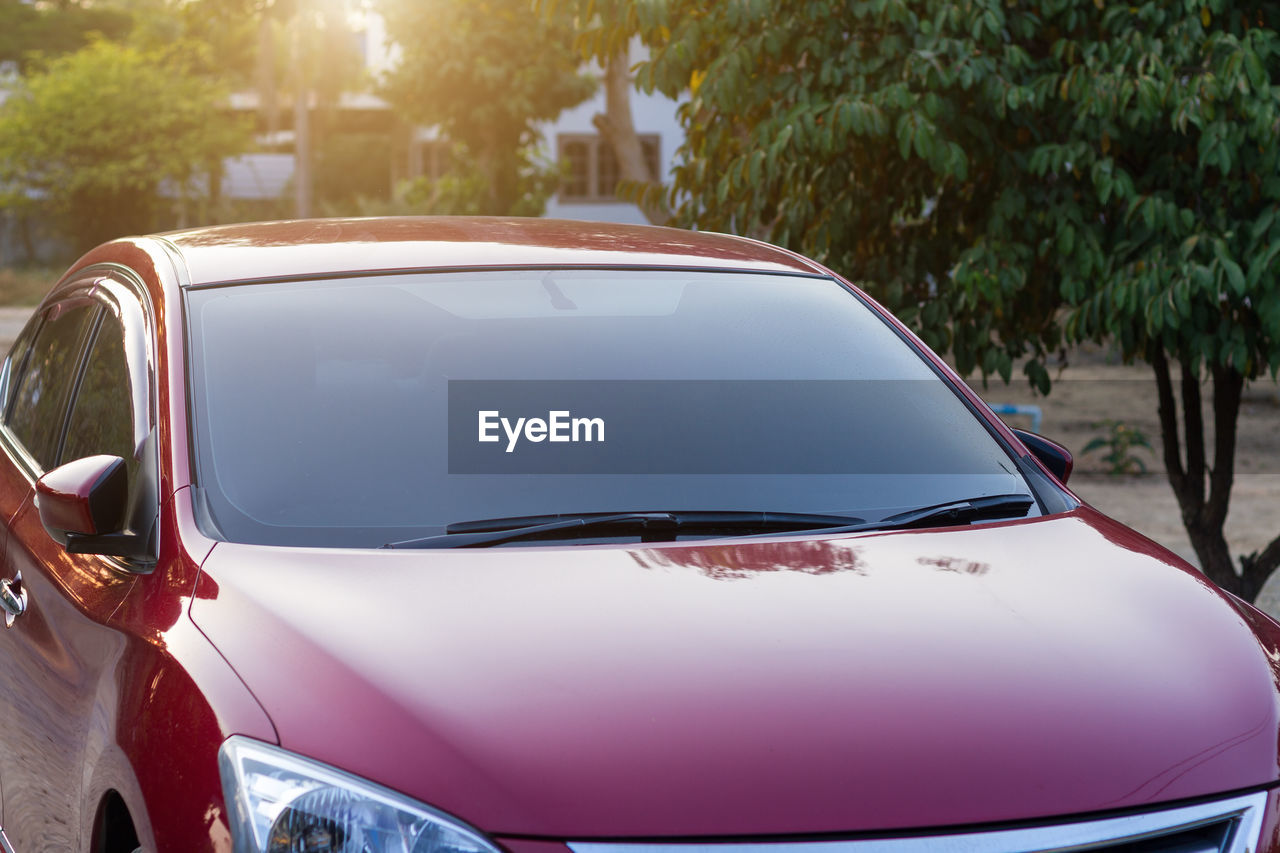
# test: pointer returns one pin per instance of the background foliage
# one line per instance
(30, 30)
(1009, 177)
(106, 139)
(484, 72)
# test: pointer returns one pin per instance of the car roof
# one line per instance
(325, 247)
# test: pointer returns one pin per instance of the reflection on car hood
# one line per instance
(810, 685)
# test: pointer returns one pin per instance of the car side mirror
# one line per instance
(82, 505)
(1051, 455)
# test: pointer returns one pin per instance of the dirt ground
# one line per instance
(1093, 388)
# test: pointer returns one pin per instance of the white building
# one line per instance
(587, 193)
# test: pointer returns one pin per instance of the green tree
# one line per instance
(485, 72)
(1012, 177)
(298, 57)
(606, 30)
(28, 30)
(113, 140)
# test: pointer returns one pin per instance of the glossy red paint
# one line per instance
(186, 698)
(64, 496)
(672, 691)
(110, 688)
(111, 681)
(317, 247)
(1033, 669)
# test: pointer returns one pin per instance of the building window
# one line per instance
(592, 169)
(432, 158)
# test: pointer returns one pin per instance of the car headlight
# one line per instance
(279, 802)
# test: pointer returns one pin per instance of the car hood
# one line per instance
(807, 685)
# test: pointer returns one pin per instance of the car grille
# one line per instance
(1222, 826)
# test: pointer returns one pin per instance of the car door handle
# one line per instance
(13, 599)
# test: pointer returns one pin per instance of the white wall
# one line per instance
(652, 114)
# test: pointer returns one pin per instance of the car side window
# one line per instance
(102, 414)
(39, 402)
(14, 360)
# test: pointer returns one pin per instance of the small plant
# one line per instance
(1119, 442)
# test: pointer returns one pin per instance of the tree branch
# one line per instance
(1258, 566)
(1194, 422)
(1228, 385)
(1169, 426)
(618, 128)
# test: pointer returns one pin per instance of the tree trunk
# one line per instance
(499, 162)
(266, 76)
(1205, 514)
(301, 122)
(618, 128)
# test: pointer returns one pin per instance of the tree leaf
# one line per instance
(1235, 276)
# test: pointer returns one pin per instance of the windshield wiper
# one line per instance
(650, 526)
(665, 526)
(990, 508)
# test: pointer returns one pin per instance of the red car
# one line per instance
(467, 535)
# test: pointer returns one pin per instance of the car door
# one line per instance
(13, 486)
(82, 388)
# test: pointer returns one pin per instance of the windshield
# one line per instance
(366, 410)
